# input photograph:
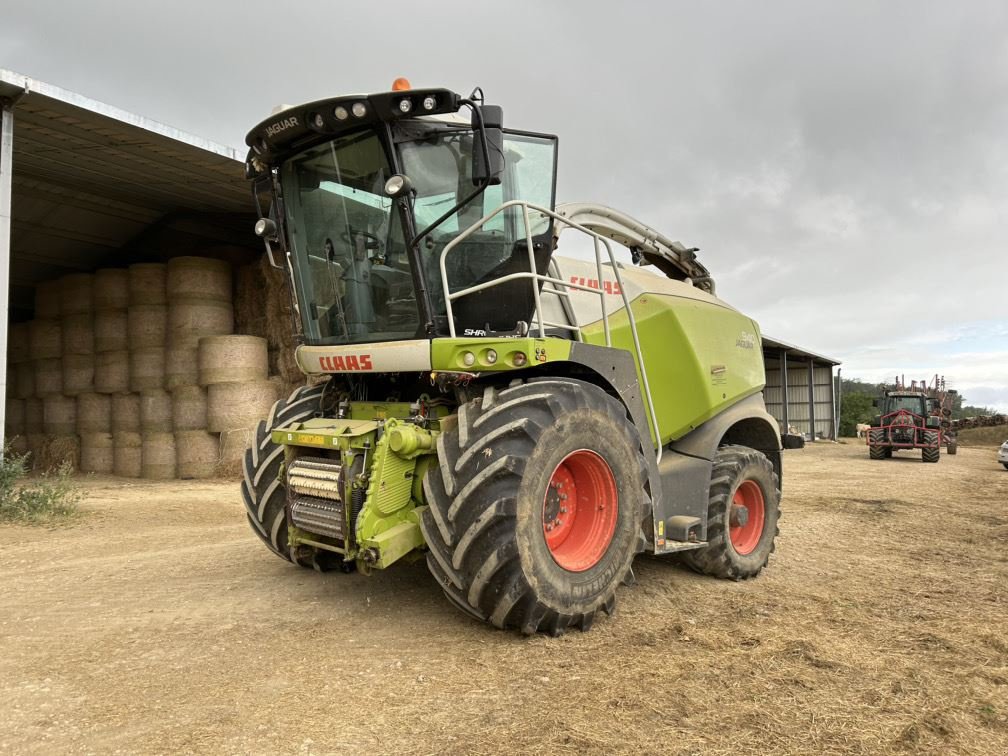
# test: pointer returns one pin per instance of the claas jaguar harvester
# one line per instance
(525, 423)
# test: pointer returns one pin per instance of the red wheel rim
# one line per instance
(580, 510)
(747, 515)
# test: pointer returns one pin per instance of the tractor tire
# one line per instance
(501, 542)
(931, 455)
(952, 447)
(262, 492)
(742, 514)
(876, 437)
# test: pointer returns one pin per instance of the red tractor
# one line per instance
(910, 418)
(914, 416)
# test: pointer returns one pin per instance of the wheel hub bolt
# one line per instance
(563, 510)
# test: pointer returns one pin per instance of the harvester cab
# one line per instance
(528, 423)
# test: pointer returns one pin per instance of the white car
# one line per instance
(1003, 454)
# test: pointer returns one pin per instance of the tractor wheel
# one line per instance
(262, 492)
(742, 514)
(952, 447)
(875, 438)
(539, 506)
(931, 455)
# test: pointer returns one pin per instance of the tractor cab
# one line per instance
(360, 195)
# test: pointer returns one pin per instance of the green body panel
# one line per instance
(700, 357)
(394, 463)
(448, 355)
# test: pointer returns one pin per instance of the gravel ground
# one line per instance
(158, 623)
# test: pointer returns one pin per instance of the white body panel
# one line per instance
(382, 357)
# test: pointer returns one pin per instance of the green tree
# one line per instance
(855, 408)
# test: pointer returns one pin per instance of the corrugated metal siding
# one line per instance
(798, 394)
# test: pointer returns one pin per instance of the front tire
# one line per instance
(933, 454)
(262, 492)
(539, 505)
(875, 439)
(742, 515)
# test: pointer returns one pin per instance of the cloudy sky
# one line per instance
(843, 166)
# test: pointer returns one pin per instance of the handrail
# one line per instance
(537, 279)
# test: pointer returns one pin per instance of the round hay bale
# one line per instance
(199, 277)
(76, 294)
(97, 453)
(94, 414)
(14, 418)
(155, 411)
(24, 380)
(17, 343)
(180, 367)
(191, 319)
(44, 341)
(232, 359)
(18, 445)
(239, 405)
(48, 377)
(233, 444)
(47, 299)
(34, 414)
(112, 372)
(111, 289)
(126, 413)
(110, 330)
(77, 334)
(57, 452)
(146, 325)
(78, 374)
(198, 453)
(158, 456)
(36, 445)
(59, 416)
(189, 408)
(127, 454)
(147, 368)
(147, 284)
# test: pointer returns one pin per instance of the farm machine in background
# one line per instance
(914, 416)
(526, 423)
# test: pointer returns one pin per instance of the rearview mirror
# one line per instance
(874, 402)
(488, 167)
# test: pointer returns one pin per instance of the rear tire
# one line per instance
(739, 548)
(952, 447)
(875, 451)
(933, 454)
(262, 492)
(520, 461)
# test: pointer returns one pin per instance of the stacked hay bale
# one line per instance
(235, 372)
(137, 371)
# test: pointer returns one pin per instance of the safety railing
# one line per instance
(559, 288)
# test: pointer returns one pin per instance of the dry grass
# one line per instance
(992, 436)
(879, 628)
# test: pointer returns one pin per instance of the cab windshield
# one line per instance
(350, 257)
(351, 264)
(908, 403)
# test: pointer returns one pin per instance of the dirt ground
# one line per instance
(159, 623)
